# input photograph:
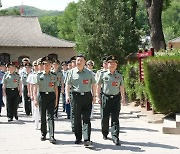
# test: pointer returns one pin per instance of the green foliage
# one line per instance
(135, 89)
(171, 20)
(105, 27)
(6, 12)
(49, 25)
(162, 83)
(130, 77)
(32, 11)
(67, 22)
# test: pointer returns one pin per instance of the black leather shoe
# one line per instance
(105, 137)
(16, 117)
(77, 142)
(52, 140)
(116, 142)
(88, 143)
(10, 119)
(43, 138)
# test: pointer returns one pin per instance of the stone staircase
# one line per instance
(172, 125)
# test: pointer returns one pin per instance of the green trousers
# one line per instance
(47, 105)
(110, 107)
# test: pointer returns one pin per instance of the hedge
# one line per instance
(162, 83)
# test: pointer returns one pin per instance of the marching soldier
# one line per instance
(111, 84)
(82, 83)
(60, 82)
(11, 89)
(48, 92)
(27, 99)
(1, 77)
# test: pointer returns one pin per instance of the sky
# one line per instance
(41, 4)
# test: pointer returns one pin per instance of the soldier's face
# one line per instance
(11, 69)
(80, 61)
(112, 64)
(47, 66)
(55, 66)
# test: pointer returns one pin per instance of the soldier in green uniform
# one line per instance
(110, 82)
(60, 83)
(82, 82)
(11, 89)
(48, 92)
(27, 99)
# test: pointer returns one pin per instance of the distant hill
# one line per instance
(33, 11)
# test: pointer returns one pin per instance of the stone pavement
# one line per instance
(136, 135)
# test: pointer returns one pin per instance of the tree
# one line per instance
(106, 27)
(49, 25)
(6, 12)
(67, 22)
(171, 20)
(154, 11)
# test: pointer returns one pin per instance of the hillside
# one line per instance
(32, 11)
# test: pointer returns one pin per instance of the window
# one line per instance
(20, 59)
(5, 57)
(53, 56)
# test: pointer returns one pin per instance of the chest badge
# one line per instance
(114, 83)
(51, 84)
(15, 80)
(85, 81)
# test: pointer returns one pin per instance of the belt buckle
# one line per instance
(47, 93)
(111, 96)
(12, 89)
(82, 93)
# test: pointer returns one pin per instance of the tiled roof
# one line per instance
(175, 40)
(23, 31)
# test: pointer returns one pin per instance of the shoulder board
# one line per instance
(53, 73)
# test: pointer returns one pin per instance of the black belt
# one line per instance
(82, 94)
(47, 93)
(111, 96)
(11, 89)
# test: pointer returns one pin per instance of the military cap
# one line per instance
(10, 64)
(2, 64)
(64, 63)
(39, 61)
(81, 55)
(111, 57)
(25, 60)
(104, 59)
(90, 62)
(34, 63)
(28, 65)
(46, 59)
(72, 58)
(56, 61)
(68, 62)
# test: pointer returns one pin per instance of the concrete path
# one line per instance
(136, 135)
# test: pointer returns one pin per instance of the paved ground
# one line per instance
(137, 136)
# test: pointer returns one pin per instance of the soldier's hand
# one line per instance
(20, 93)
(36, 103)
(4, 93)
(94, 100)
(98, 100)
(123, 101)
(68, 100)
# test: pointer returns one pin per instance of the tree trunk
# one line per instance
(154, 11)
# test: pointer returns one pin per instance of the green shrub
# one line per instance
(162, 82)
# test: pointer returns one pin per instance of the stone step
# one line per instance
(170, 126)
(177, 117)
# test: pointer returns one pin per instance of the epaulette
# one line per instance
(16, 73)
(53, 73)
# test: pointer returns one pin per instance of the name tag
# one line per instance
(115, 83)
(51, 84)
(85, 81)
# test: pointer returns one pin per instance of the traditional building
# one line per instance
(21, 36)
(174, 43)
